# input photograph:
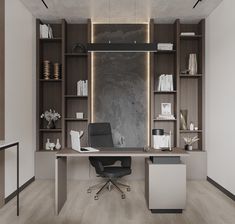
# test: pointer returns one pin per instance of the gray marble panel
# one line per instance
(120, 85)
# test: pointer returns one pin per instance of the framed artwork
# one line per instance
(166, 108)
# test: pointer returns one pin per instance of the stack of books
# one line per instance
(165, 117)
(165, 83)
(187, 34)
(46, 31)
(165, 46)
(82, 88)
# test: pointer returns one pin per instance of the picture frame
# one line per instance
(166, 108)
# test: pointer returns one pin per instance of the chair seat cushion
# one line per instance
(115, 171)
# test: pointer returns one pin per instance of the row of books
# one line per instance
(46, 31)
(82, 88)
(165, 117)
(165, 83)
(165, 46)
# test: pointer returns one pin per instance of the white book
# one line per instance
(159, 83)
(85, 89)
(50, 33)
(44, 31)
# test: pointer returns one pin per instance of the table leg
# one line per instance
(18, 189)
(60, 183)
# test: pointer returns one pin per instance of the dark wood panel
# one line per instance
(76, 69)
(76, 105)
(76, 33)
(164, 33)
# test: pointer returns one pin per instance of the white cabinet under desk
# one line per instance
(165, 184)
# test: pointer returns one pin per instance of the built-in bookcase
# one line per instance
(188, 89)
(49, 92)
(61, 95)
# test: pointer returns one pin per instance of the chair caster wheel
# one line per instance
(88, 191)
(96, 197)
(128, 189)
(123, 196)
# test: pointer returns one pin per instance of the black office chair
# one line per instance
(100, 135)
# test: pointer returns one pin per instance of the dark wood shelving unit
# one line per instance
(165, 52)
(60, 95)
(188, 89)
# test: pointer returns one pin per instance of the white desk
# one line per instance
(61, 165)
(6, 145)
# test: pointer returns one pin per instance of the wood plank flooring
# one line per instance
(205, 205)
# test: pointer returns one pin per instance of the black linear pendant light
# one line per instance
(121, 47)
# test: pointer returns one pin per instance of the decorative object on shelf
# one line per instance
(52, 146)
(165, 83)
(165, 46)
(165, 112)
(192, 66)
(79, 115)
(47, 147)
(51, 117)
(184, 72)
(191, 126)
(79, 48)
(46, 69)
(189, 141)
(46, 31)
(58, 145)
(75, 139)
(196, 128)
(82, 88)
(183, 119)
(161, 139)
(56, 71)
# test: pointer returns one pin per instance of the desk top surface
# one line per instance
(4, 144)
(134, 152)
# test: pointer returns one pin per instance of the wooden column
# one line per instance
(2, 99)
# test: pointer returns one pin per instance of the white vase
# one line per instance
(47, 147)
(192, 65)
(58, 145)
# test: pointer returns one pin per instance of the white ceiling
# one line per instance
(121, 11)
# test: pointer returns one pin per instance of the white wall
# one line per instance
(220, 94)
(19, 91)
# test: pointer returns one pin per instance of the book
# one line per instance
(187, 33)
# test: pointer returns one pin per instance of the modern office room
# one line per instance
(117, 111)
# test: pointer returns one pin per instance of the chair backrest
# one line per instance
(100, 135)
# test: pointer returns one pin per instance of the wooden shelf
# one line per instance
(44, 150)
(191, 37)
(165, 92)
(50, 80)
(188, 131)
(56, 39)
(165, 52)
(75, 119)
(50, 130)
(163, 120)
(75, 96)
(190, 76)
(76, 54)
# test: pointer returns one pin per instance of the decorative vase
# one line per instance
(191, 126)
(183, 119)
(51, 124)
(48, 144)
(188, 147)
(192, 65)
(58, 145)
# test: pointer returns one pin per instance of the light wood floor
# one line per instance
(205, 205)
